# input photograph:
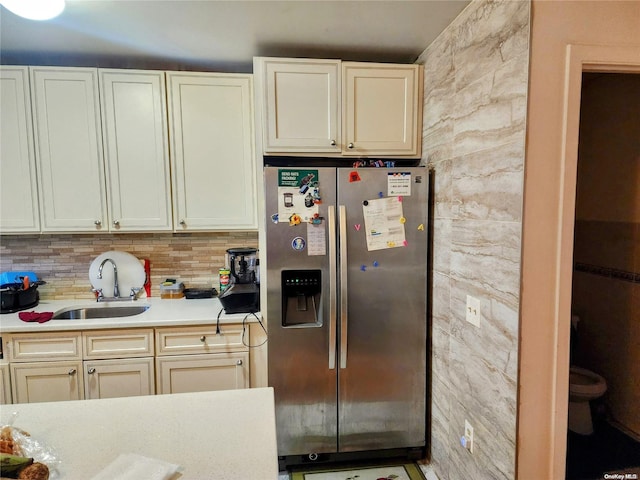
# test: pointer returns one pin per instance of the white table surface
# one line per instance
(219, 435)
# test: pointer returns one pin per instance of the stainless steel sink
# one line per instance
(75, 313)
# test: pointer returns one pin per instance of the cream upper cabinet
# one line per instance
(302, 104)
(213, 161)
(18, 188)
(68, 141)
(381, 109)
(332, 108)
(136, 149)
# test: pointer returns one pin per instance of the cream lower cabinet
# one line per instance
(56, 366)
(128, 377)
(202, 373)
(118, 363)
(194, 359)
(5, 384)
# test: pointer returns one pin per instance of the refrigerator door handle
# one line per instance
(343, 286)
(332, 287)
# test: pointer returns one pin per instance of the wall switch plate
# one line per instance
(468, 435)
(473, 310)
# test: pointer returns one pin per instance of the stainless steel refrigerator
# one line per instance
(346, 278)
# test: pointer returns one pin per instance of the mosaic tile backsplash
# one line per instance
(63, 260)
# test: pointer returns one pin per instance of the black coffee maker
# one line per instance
(243, 295)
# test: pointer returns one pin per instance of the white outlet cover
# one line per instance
(473, 311)
(468, 433)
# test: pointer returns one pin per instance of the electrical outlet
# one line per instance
(473, 311)
(468, 436)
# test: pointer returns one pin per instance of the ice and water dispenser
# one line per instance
(301, 298)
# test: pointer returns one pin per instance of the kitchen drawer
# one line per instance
(44, 347)
(118, 343)
(187, 340)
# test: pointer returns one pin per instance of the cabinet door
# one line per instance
(301, 105)
(5, 384)
(46, 381)
(202, 373)
(119, 378)
(213, 163)
(136, 149)
(68, 149)
(18, 189)
(381, 107)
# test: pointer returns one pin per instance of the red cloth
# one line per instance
(39, 317)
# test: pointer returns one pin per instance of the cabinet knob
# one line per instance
(116, 223)
(91, 370)
(203, 338)
(333, 143)
(97, 223)
(239, 362)
(350, 145)
(183, 223)
(72, 371)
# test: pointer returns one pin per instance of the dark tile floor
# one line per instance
(608, 449)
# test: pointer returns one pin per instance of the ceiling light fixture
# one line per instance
(34, 9)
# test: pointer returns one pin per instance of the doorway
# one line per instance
(605, 297)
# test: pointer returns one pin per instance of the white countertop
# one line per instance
(219, 435)
(163, 312)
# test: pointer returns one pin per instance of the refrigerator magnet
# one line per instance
(354, 177)
(295, 219)
(399, 184)
(298, 244)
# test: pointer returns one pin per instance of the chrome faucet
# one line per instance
(116, 290)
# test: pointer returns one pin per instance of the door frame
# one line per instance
(579, 59)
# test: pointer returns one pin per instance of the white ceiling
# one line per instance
(224, 35)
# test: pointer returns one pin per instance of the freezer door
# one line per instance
(301, 368)
(383, 296)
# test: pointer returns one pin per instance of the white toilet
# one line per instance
(584, 386)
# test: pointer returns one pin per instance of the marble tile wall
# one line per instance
(63, 260)
(476, 77)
